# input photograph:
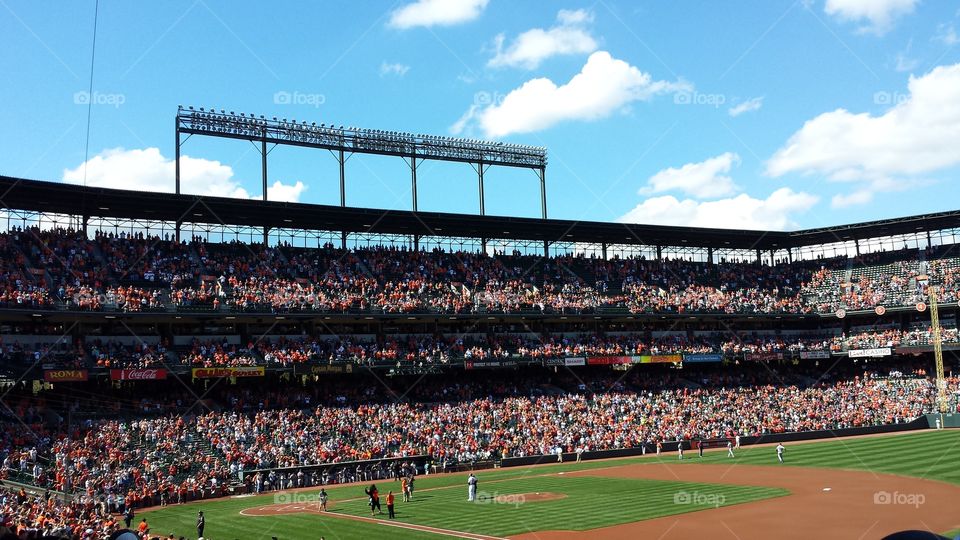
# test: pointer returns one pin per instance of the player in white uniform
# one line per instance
(680, 449)
(737, 446)
(780, 452)
(471, 488)
(730, 449)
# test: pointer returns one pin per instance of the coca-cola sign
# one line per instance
(154, 374)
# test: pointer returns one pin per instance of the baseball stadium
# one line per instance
(182, 360)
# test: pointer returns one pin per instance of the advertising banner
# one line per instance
(763, 357)
(300, 369)
(66, 375)
(870, 353)
(703, 357)
(814, 355)
(216, 372)
(609, 360)
(138, 374)
(661, 359)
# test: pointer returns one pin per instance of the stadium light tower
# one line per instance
(343, 143)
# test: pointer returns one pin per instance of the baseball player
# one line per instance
(659, 448)
(737, 445)
(780, 452)
(471, 488)
(323, 499)
(700, 447)
(730, 449)
(680, 449)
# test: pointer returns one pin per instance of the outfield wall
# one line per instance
(690, 446)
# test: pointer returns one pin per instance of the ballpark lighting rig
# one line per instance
(373, 141)
(345, 141)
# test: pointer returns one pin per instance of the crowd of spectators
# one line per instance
(174, 458)
(420, 349)
(134, 272)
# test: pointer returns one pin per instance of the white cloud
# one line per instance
(704, 180)
(858, 197)
(917, 135)
(603, 86)
(740, 212)
(876, 15)
(436, 13)
(530, 48)
(947, 34)
(905, 63)
(147, 170)
(397, 69)
(750, 105)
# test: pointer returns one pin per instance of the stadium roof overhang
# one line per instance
(60, 198)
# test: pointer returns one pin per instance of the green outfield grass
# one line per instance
(590, 502)
(926, 454)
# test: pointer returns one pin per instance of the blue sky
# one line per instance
(762, 114)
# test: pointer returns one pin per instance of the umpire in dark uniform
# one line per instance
(201, 522)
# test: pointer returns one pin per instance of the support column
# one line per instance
(773, 254)
(710, 255)
(483, 210)
(546, 248)
(86, 219)
(343, 240)
(176, 159)
(266, 236)
(416, 242)
(659, 253)
(929, 242)
(543, 191)
(759, 256)
(343, 185)
(603, 250)
(413, 180)
(263, 163)
(856, 244)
